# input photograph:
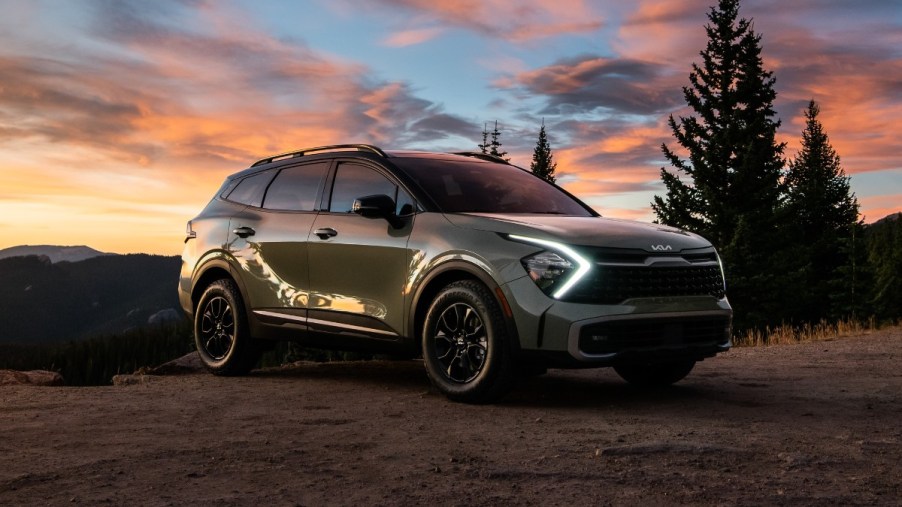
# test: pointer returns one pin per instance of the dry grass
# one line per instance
(821, 331)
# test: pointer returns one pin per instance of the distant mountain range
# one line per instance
(889, 218)
(54, 253)
(42, 301)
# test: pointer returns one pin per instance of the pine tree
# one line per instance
(729, 189)
(495, 144)
(824, 213)
(543, 164)
(484, 147)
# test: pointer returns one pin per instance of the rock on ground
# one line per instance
(33, 377)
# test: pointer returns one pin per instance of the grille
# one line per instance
(636, 335)
(610, 284)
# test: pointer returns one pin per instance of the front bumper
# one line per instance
(637, 330)
(642, 337)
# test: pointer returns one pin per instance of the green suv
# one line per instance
(483, 269)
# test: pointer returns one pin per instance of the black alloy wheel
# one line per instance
(217, 328)
(221, 332)
(467, 350)
(461, 342)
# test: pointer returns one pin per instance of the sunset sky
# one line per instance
(119, 119)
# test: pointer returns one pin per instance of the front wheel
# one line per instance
(221, 331)
(466, 349)
(655, 374)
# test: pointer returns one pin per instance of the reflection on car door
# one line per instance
(358, 264)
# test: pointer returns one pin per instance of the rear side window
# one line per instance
(296, 188)
(250, 190)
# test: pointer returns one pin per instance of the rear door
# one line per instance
(358, 265)
(269, 242)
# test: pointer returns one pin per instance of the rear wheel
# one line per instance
(221, 331)
(466, 349)
(655, 374)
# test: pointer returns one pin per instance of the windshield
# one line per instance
(476, 186)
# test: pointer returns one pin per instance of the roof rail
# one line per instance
(482, 156)
(320, 149)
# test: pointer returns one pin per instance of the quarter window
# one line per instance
(250, 190)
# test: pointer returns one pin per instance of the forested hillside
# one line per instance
(53, 252)
(42, 302)
(883, 267)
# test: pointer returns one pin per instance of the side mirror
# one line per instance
(374, 206)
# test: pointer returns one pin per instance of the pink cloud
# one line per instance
(858, 95)
(851, 69)
(520, 22)
(412, 37)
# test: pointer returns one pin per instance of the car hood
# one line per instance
(588, 231)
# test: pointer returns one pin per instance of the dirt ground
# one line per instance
(817, 423)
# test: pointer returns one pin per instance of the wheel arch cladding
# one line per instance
(441, 278)
(209, 276)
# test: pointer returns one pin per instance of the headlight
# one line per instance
(555, 270)
(546, 268)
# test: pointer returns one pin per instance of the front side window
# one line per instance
(296, 188)
(475, 186)
(353, 181)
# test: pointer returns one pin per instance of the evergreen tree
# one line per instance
(484, 147)
(495, 144)
(543, 164)
(824, 212)
(732, 191)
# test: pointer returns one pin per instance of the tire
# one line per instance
(466, 349)
(221, 332)
(655, 374)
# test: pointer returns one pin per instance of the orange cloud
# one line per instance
(664, 32)
(121, 151)
(876, 207)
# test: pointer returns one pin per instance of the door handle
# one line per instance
(243, 232)
(326, 233)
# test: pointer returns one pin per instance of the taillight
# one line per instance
(189, 232)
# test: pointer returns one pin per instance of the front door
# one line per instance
(358, 265)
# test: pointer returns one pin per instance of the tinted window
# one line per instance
(353, 181)
(460, 186)
(296, 188)
(250, 190)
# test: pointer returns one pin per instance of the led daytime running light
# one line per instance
(723, 275)
(581, 271)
